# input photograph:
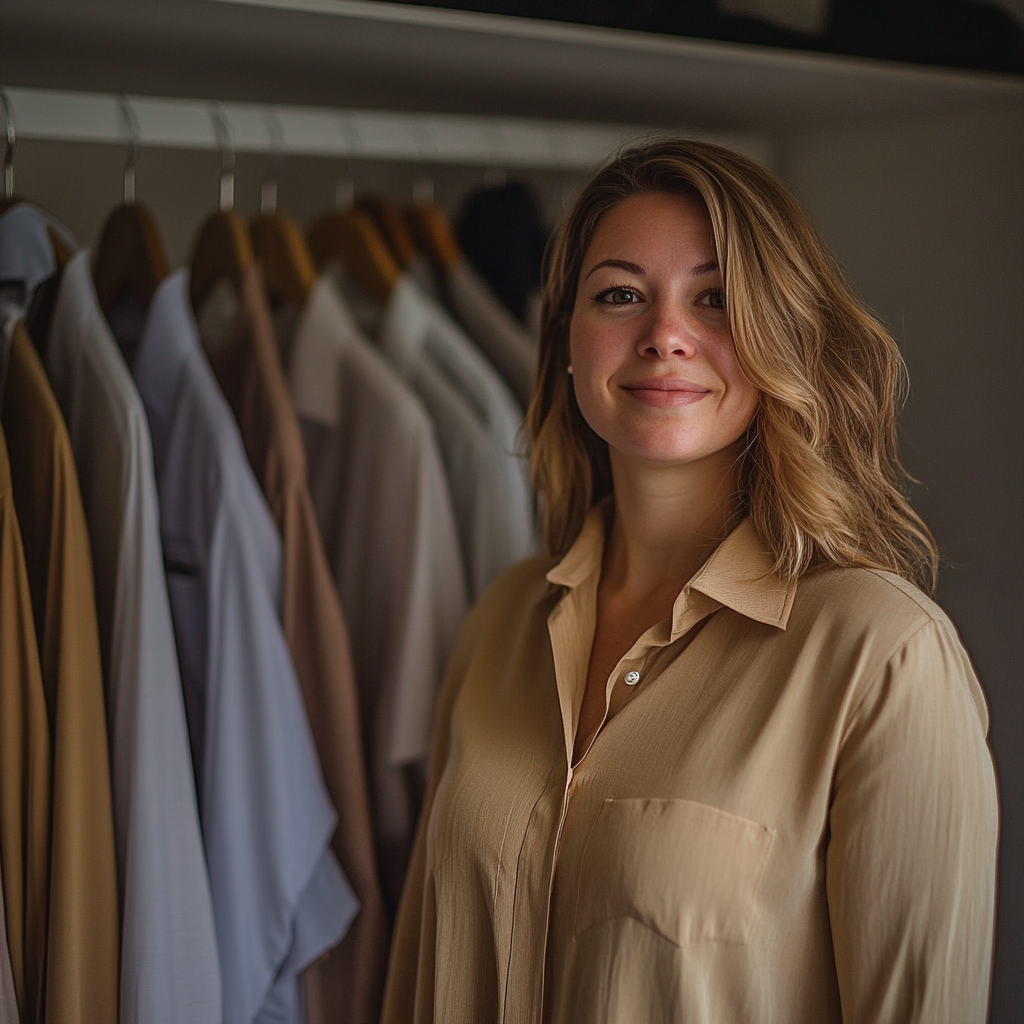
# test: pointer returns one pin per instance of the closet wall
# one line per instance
(913, 178)
(927, 217)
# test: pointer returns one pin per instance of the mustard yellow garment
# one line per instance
(82, 925)
(24, 766)
(790, 817)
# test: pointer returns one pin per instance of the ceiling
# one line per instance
(391, 56)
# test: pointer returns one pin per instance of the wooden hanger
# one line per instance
(388, 217)
(222, 250)
(433, 235)
(351, 237)
(288, 271)
(130, 256)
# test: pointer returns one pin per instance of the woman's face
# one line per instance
(653, 363)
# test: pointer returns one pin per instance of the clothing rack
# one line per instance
(333, 132)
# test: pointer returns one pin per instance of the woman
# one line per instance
(716, 757)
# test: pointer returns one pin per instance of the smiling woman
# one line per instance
(715, 756)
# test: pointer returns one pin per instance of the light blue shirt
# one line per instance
(169, 969)
(279, 897)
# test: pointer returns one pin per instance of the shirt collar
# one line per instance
(323, 332)
(738, 574)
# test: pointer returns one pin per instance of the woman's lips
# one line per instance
(666, 392)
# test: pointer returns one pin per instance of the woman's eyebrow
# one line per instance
(631, 268)
(704, 268)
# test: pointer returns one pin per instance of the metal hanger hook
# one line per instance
(131, 122)
(268, 193)
(227, 157)
(11, 137)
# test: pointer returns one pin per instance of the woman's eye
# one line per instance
(618, 296)
(715, 298)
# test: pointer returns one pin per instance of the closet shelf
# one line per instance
(333, 132)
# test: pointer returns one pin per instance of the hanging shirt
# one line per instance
(249, 370)
(497, 333)
(82, 918)
(278, 896)
(169, 966)
(414, 330)
(382, 504)
(26, 252)
(25, 772)
(790, 816)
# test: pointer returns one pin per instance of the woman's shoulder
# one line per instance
(876, 618)
(866, 598)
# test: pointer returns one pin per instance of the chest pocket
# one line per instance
(687, 871)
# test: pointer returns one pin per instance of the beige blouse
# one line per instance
(790, 817)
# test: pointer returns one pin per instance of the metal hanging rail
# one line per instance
(332, 132)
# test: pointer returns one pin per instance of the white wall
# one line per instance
(927, 219)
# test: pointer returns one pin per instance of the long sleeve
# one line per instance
(911, 863)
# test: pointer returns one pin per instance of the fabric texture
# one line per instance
(82, 925)
(276, 888)
(8, 996)
(497, 333)
(415, 331)
(382, 504)
(24, 770)
(169, 968)
(346, 984)
(791, 816)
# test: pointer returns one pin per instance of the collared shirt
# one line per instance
(249, 370)
(168, 951)
(24, 770)
(414, 331)
(791, 818)
(278, 896)
(505, 342)
(383, 507)
(81, 918)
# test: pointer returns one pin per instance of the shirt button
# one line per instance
(632, 678)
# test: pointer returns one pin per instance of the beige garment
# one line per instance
(345, 984)
(505, 342)
(24, 768)
(793, 818)
(82, 954)
(384, 512)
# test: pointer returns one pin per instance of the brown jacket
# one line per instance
(24, 765)
(82, 942)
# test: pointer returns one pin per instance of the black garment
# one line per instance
(501, 233)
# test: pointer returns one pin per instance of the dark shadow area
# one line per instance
(943, 33)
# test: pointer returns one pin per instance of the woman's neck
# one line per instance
(668, 521)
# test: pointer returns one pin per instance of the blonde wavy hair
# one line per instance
(821, 478)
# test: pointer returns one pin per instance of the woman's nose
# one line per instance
(667, 333)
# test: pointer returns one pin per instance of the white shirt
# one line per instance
(505, 342)
(279, 897)
(383, 508)
(415, 331)
(169, 966)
